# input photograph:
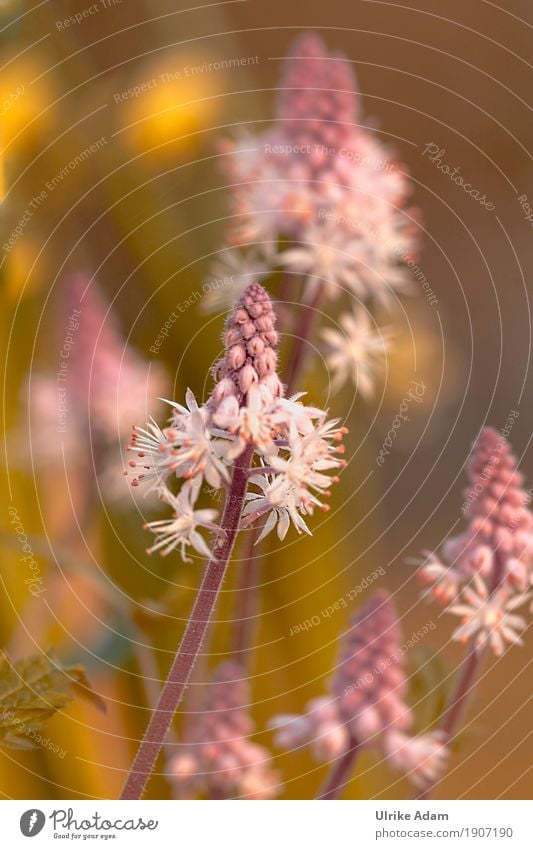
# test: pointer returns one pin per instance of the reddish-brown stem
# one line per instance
(341, 772)
(458, 704)
(189, 649)
(289, 286)
(150, 681)
(454, 713)
(304, 328)
(470, 671)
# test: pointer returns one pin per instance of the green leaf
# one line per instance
(430, 684)
(32, 690)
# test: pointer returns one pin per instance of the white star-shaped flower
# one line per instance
(181, 530)
(422, 758)
(356, 351)
(186, 448)
(328, 256)
(251, 424)
(489, 617)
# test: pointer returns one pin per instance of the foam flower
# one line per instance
(217, 758)
(489, 617)
(319, 196)
(187, 448)
(299, 478)
(247, 426)
(280, 505)
(294, 448)
(182, 529)
(254, 423)
(366, 700)
(356, 351)
(322, 181)
(423, 758)
(484, 572)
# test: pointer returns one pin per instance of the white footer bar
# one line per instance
(269, 825)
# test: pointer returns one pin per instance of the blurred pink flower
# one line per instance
(424, 758)
(356, 351)
(217, 758)
(322, 180)
(486, 570)
(107, 379)
(101, 384)
(489, 617)
(366, 703)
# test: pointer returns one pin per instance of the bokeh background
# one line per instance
(145, 215)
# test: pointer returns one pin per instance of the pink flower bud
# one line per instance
(249, 339)
(247, 377)
(236, 357)
(266, 363)
(219, 761)
(255, 346)
(224, 389)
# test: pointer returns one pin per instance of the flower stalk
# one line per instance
(246, 424)
(470, 672)
(303, 332)
(341, 773)
(489, 571)
(191, 644)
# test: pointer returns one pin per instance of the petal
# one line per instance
(269, 526)
(199, 543)
(283, 525)
(191, 400)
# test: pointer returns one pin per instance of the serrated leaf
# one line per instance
(31, 691)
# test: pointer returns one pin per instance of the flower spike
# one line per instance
(483, 574)
(366, 701)
(294, 447)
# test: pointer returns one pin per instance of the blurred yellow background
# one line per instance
(145, 214)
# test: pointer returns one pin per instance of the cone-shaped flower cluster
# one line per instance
(217, 759)
(294, 446)
(318, 94)
(250, 340)
(321, 180)
(366, 703)
(484, 573)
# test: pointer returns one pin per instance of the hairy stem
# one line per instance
(150, 677)
(189, 649)
(341, 772)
